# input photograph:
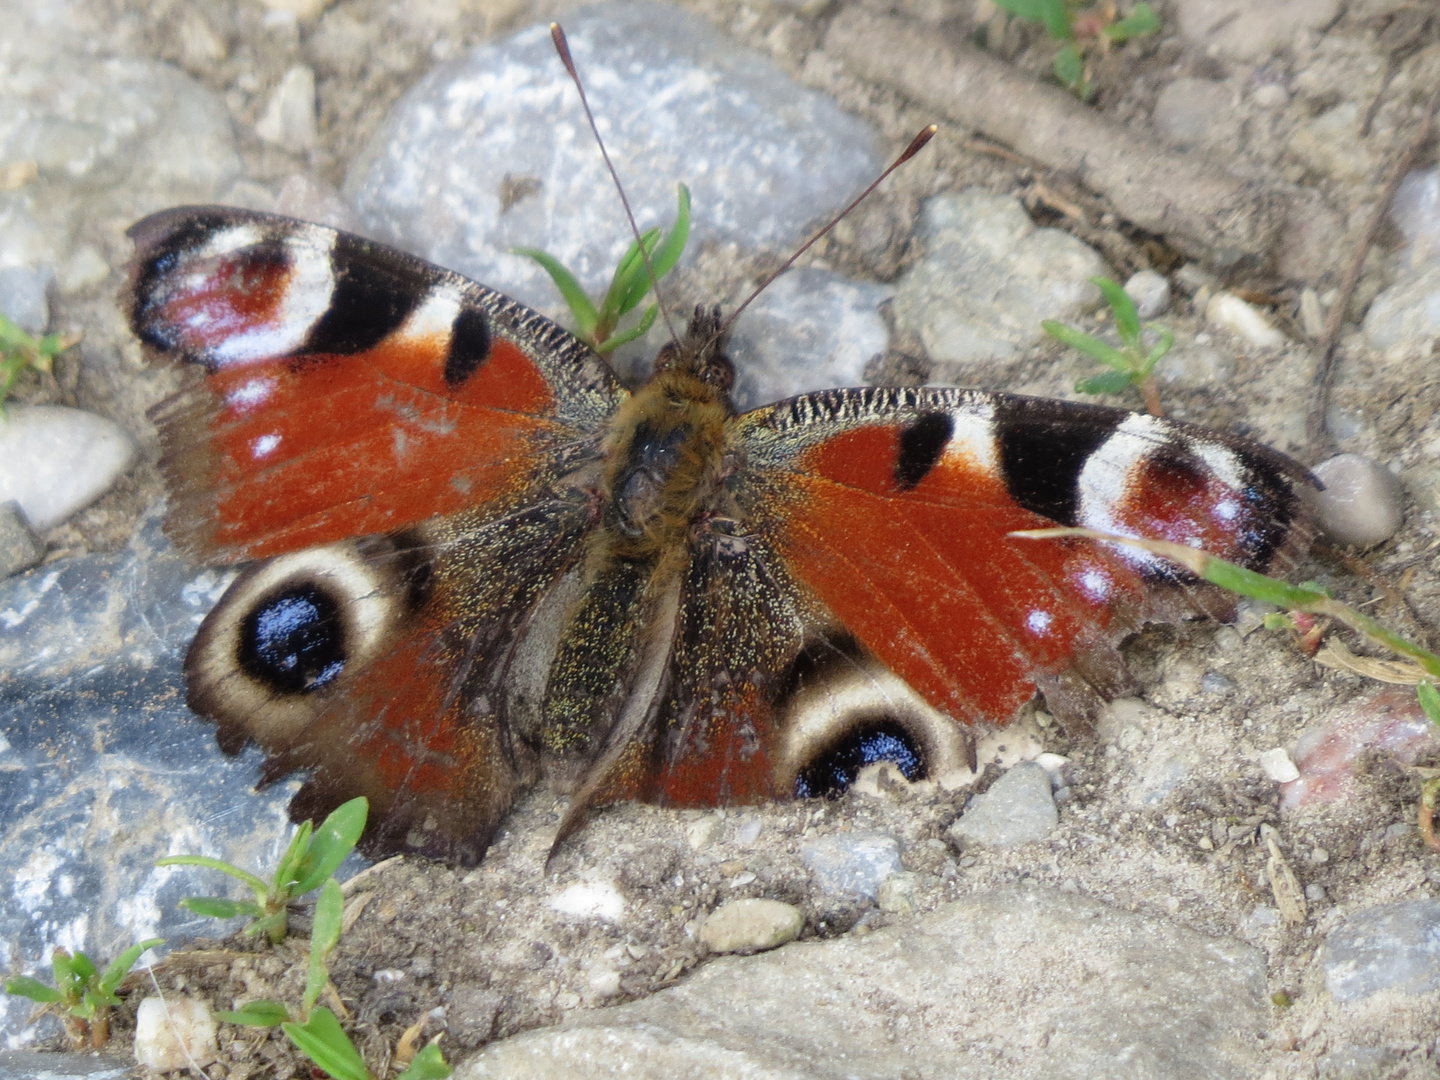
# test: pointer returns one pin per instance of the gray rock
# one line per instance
(1416, 213)
(289, 117)
(32, 1065)
(988, 278)
(1393, 946)
(984, 987)
(20, 548)
(1150, 292)
(852, 863)
(1405, 318)
(1331, 145)
(23, 296)
(1239, 30)
(55, 460)
(103, 769)
(1018, 809)
(1191, 112)
(751, 926)
(812, 329)
(1363, 502)
(764, 157)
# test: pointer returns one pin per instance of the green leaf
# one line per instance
(428, 1064)
(1127, 322)
(630, 275)
(1106, 382)
(1167, 339)
(324, 933)
(26, 987)
(218, 907)
(321, 1040)
(1141, 21)
(1091, 346)
(333, 841)
(1070, 69)
(272, 925)
(287, 870)
(257, 1014)
(121, 965)
(664, 257)
(640, 329)
(1429, 701)
(260, 887)
(581, 309)
(1051, 13)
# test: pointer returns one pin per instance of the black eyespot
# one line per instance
(469, 347)
(921, 444)
(832, 773)
(294, 641)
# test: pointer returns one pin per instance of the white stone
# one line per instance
(1270, 96)
(1244, 320)
(1405, 318)
(289, 117)
(1362, 503)
(1150, 292)
(174, 1033)
(304, 10)
(1416, 213)
(1277, 766)
(751, 926)
(55, 460)
(590, 900)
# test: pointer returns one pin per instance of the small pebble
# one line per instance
(897, 893)
(20, 548)
(751, 926)
(1312, 315)
(854, 863)
(174, 1033)
(1362, 503)
(1244, 320)
(1270, 96)
(1314, 892)
(590, 899)
(1150, 292)
(289, 117)
(303, 10)
(1018, 809)
(1277, 766)
(23, 298)
(58, 460)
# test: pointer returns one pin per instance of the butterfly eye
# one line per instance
(849, 712)
(290, 630)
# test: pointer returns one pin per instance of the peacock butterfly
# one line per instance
(477, 559)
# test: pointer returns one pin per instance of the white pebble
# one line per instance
(1270, 96)
(586, 899)
(1244, 320)
(1278, 767)
(1150, 291)
(303, 10)
(174, 1033)
(289, 117)
(1362, 503)
(751, 926)
(57, 460)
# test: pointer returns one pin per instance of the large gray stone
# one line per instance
(1393, 946)
(764, 157)
(1015, 983)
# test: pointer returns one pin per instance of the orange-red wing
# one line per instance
(348, 389)
(894, 507)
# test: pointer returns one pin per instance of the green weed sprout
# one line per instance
(1418, 665)
(309, 860)
(84, 992)
(19, 351)
(1080, 30)
(1131, 364)
(630, 284)
(317, 1033)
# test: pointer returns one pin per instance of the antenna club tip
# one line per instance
(918, 143)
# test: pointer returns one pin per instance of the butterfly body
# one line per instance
(485, 561)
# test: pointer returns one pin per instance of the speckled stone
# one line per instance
(752, 925)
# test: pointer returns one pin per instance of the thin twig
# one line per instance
(1316, 428)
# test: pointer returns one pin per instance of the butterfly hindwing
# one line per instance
(348, 389)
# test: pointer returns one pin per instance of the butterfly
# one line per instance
(477, 560)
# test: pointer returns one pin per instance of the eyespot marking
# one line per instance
(833, 772)
(293, 640)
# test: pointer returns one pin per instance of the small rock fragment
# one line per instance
(590, 900)
(1312, 315)
(1018, 809)
(20, 548)
(897, 893)
(304, 10)
(749, 926)
(1362, 503)
(852, 863)
(1193, 111)
(1405, 318)
(1277, 766)
(1392, 946)
(174, 1033)
(1330, 755)
(289, 117)
(1150, 292)
(1244, 320)
(58, 460)
(23, 298)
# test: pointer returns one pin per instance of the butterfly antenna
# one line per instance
(916, 145)
(562, 47)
